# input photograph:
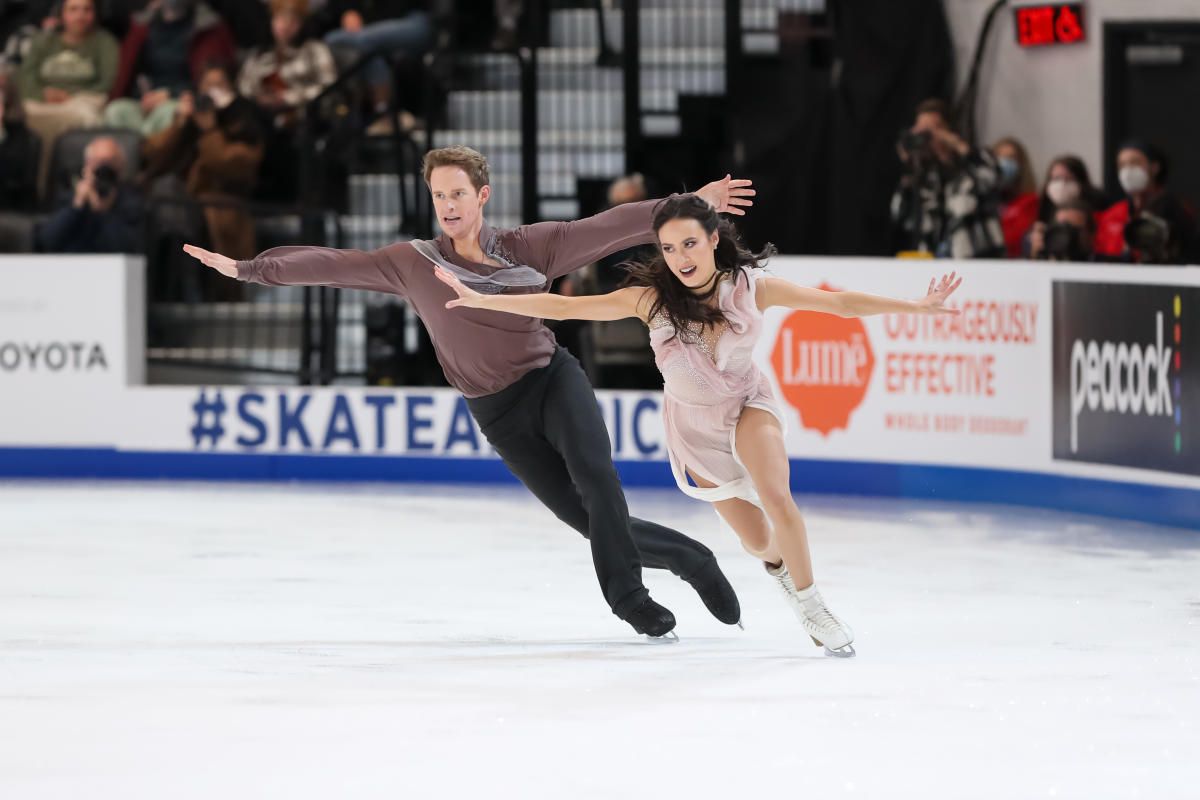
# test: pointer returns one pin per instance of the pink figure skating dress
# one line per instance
(707, 380)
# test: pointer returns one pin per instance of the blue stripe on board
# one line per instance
(1156, 504)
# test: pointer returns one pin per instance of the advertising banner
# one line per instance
(1126, 383)
(71, 342)
(964, 389)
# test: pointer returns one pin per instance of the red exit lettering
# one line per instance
(1050, 24)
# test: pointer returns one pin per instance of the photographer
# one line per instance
(105, 213)
(1069, 237)
(948, 199)
(1151, 225)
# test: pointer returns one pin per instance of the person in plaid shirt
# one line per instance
(948, 199)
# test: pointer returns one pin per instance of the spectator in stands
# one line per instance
(609, 274)
(66, 76)
(282, 78)
(948, 198)
(210, 154)
(18, 149)
(398, 27)
(1069, 236)
(167, 48)
(105, 213)
(1067, 179)
(1151, 224)
(1018, 193)
(508, 17)
(25, 26)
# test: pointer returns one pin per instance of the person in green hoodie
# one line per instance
(66, 77)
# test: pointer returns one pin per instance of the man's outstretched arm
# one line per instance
(313, 266)
(558, 248)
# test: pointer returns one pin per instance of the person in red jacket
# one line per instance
(1151, 224)
(1018, 193)
(167, 49)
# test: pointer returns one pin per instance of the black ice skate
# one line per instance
(652, 620)
(717, 593)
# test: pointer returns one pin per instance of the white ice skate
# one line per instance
(819, 622)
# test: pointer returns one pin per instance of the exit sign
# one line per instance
(1059, 23)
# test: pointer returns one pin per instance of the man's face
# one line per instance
(102, 151)
(285, 26)
(933, 123)
(458, 204)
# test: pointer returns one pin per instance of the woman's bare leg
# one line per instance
(748, 521)
(760, 448)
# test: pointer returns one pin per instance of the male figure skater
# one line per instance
(531, 399)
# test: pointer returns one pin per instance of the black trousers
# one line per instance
(548, 429)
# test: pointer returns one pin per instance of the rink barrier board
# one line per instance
(1155, 504)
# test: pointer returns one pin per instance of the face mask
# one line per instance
(1061, 190)
(1133, 179)
(1009, 171)
(220, 96)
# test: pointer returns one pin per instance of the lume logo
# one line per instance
(1122, 378)
(823, 364)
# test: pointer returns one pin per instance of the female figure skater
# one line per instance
(702, 297)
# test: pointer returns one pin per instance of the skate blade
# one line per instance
(670, 637)
(845, 651)
(740, 625)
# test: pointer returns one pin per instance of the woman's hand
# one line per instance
(728, 195)
(467, 298)
(934, 301)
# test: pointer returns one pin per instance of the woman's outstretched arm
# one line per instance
(778, 292)
(628, 302)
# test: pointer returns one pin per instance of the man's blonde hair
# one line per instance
(468, 160)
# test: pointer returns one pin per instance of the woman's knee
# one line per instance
(777, 501)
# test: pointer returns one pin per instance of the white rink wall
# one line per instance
(1064, 386)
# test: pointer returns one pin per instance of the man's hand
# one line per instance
(728, 196)
(352, 21)
(86, 195)
(83, 190)
(222, 264)
(952, 141)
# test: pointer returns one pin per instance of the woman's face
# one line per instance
(78, 17)
(1006, 150)
(1059, 171)
(689, 251)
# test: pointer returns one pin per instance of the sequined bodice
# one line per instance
(707, 365)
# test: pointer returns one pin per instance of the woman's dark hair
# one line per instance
(680, 304)
(1088, 192)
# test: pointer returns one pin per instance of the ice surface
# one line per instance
(228, 641)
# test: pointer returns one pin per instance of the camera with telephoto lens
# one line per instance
(918, 144)
(204, 103)
(1150, 235)
(105, 180)
(1064, 243)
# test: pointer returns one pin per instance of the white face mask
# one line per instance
(220, 96)
(1062, 190)
(1133, 179)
